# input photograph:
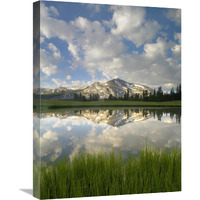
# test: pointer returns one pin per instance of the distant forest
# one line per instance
(157, 95)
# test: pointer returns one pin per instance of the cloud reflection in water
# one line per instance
(68, 132)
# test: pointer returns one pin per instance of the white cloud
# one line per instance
(53, 11)
(68, 77)
(130, 23)
(176, 50)
(128, 139)
(42, 39)
(49, 70)
(98, 53)
(69, 128)
(52, 27)
(50, 135)
(174, 15)
(168, 85)
(158, 49)
(48, 62)
(152, 66)
(77, 83)
(98, 50)
(54, 50)
(59, 82)
(49, 59)
(102, 136)
(73, 49)
(177, 36)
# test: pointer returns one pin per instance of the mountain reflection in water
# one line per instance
(116, 117)
(66, 132)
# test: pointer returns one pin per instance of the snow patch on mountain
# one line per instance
(116, 87)
(118, 83)
(139, 86)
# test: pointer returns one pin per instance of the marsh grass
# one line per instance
(108, 174)
(56, 104)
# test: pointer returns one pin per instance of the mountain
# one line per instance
(114, 117)
(116, 87)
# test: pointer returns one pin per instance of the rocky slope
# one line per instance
(117, 87)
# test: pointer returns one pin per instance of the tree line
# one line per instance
(157, 95)
(81, 97)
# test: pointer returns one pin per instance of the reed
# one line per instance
(90, 174)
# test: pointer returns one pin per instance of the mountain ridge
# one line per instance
(115, 87)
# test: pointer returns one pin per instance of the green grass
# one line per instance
(52, 104)
(108, 174)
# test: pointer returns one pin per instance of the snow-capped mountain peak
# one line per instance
(115, 87)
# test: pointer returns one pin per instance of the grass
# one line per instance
(52, 104)
(108, 174)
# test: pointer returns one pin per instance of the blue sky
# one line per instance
(83, 43)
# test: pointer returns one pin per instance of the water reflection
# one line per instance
(66, 132)
(117, 117)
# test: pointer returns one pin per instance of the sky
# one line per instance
(84, 43)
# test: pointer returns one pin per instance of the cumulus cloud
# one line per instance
(73, 49)
(177, 36)
(174, 15)
(130, 23)
(63, 83)
(68, 77)
(97, 46)
(98, 50)
(53, 11)
(152, 66)
(54, 50)
(176, 50)
(42, 39)
(82, 39)
(57, 133)
(155, 50)
(69, 128)
(49, 59)
(50, 135)
(53, 27)
(168, 85)
(126, 138)
(60, 82)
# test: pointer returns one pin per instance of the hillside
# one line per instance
(115, 87)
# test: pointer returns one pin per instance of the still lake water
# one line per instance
(67, 132)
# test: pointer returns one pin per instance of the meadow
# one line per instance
(100, 174)
(52, 104)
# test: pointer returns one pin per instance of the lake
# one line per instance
(61, 133)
